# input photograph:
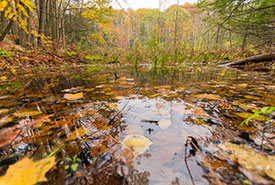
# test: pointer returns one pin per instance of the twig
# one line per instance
(185, 160)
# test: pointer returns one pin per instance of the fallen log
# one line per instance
(253, 59)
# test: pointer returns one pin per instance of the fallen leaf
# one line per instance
(251, 97)
(247, 114)
(7, 135)
(78, 133)
(208, 96)
(3, 111)
(138, 142)
(27, 172)
(164, 123)
(5, 120)
(246, 157)
(242, 85)
(72, 97)
(112, 105)
(89, 89)
(3, 78)
(21, 113)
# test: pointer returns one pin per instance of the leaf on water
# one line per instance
(270, 86)
(3, 78)
(3, 111)
(207, 96)
(5, 120)
(7, 135)
(247, 114)
(89, 89)
(22, 113)
(112, 105)
(245, 106)
(164, 123)
(138, 142)
(27, 172)
(246, 157)
(163, 87)
(78, 133)
(251, 97)
(72, 97)
(242, 85)
(73, 89)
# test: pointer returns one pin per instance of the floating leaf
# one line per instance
(247, 114)
(78, 133)
(138, 142)
(21, 113)
(27, 172)
(73, 97)
(164, 123)
(246, 157)
(89, 89)
(251, 97)
(3, 111)
(5, 120)
(242, 85)
(208, 96)
(113, 106)
(3, 78)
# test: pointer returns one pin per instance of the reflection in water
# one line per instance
(99, 110)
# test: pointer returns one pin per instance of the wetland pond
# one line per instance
(125, 125)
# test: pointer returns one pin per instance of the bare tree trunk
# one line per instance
(176, 24)
(6, 30)
(42, 19)
(244, 41)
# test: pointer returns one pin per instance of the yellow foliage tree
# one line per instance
(14, 10)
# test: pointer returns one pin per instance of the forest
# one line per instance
(96, 93)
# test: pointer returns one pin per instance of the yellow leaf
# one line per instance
(222, 74)
(138, 142)
(13, 70)
(208, 96)
(113, 106)
(3, 78)
(3, 5)
(21, 113)
(242, 85)
(78, 133)
(249, 159)
(251, 97)
(73, 97)
(27, 172)
(89, 89)
(247, 114)
(3, 111)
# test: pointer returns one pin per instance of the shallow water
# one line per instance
(88, 111)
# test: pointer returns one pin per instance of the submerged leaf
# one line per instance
(72, 97)
(78, 133)
(164, 123)
(4, 111)
(27, 172)
(138, 142)
(246, 157)
(7, 135)
(26, 114)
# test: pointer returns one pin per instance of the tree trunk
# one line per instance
(42, 19)
(253, 59)
(6, 31)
